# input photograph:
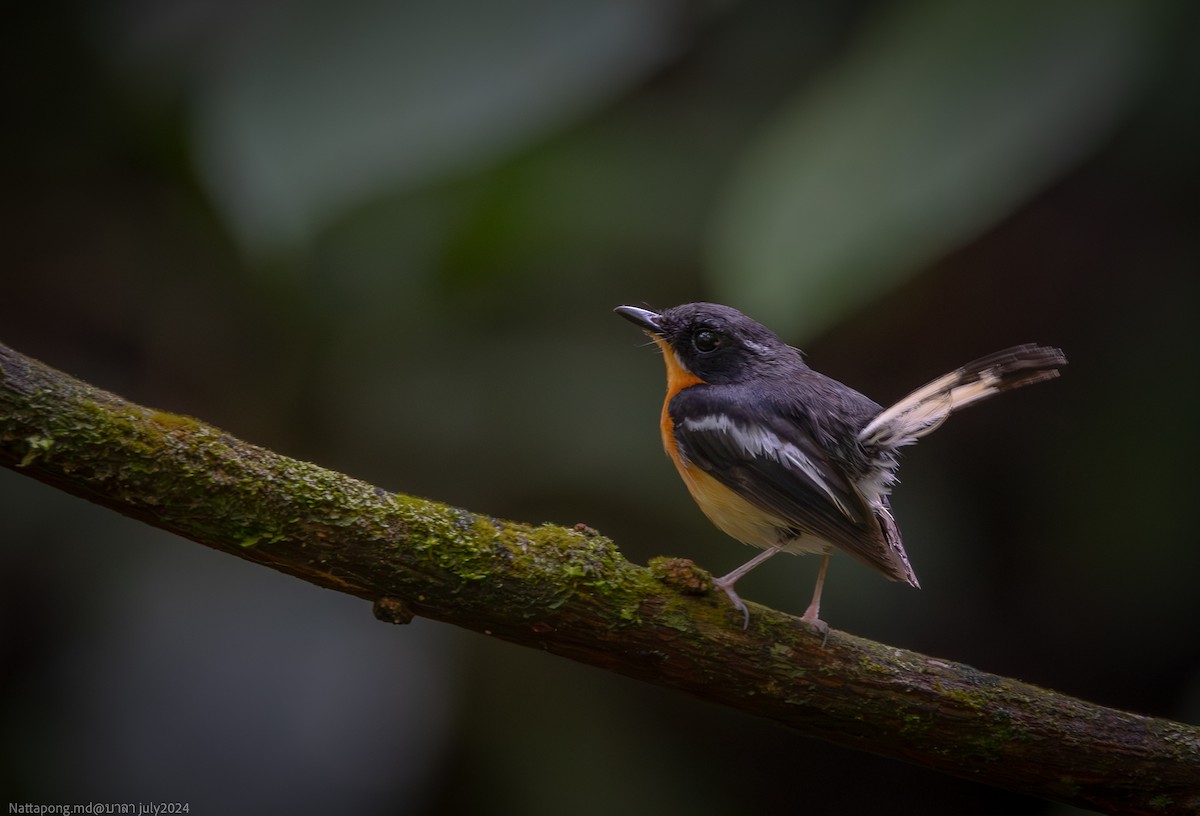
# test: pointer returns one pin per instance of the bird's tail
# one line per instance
(922, 411)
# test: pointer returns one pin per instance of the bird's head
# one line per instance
(707, 342)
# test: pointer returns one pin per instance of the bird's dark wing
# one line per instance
(777, 458)
(772, 461)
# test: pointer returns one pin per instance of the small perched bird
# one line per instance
(784, 458)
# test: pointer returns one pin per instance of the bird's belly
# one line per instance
(743, 520)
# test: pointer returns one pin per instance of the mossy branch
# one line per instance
(570, 592)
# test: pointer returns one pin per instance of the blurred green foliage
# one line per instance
(387, 237)
(935, 123)
(316, 107)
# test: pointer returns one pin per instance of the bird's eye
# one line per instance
(707, 340)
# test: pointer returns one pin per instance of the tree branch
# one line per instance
(570, 592)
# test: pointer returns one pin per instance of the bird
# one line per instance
(786, 459)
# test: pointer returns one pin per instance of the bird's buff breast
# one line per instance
(731, 513)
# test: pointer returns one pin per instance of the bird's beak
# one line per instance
(646, 319)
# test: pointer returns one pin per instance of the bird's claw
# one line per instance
(737, 602)
(818, 625)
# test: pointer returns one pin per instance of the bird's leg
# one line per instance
(812, 615)
(726, 583)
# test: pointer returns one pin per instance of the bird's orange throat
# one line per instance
(678, 378)
(678, 375)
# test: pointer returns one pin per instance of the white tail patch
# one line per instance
(922, 411)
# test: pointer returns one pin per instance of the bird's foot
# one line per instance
(738, 604)
(815, 623)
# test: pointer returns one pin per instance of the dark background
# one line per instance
(387, 238)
